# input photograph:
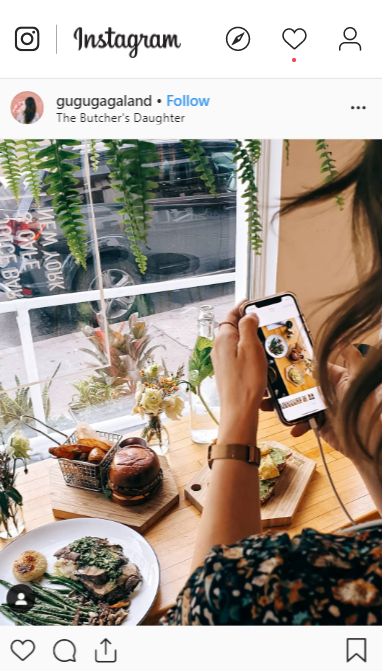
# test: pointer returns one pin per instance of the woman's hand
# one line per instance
(241, 376)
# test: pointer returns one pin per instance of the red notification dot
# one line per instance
(293, 60)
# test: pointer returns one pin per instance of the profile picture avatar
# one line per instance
(27, 107)
(27, 38)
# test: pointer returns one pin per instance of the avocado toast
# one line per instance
(273, 462)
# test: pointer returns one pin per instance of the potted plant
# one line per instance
(111, 388)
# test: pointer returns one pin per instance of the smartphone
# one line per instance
(289, 349)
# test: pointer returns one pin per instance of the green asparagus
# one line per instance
(18, 619)
(52, 607)
(68, 582)
(41, 618)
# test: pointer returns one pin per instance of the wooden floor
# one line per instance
(173, 537)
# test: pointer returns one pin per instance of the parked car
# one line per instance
(191, 232)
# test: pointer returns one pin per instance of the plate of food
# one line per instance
(83, 571)
(276, 346)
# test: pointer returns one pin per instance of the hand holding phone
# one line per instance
(289, 350)
(241, 376)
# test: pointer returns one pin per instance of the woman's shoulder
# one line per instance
(242, 583)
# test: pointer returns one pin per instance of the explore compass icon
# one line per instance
(238, 38)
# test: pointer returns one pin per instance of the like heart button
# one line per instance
(23, 649)
(294, 37)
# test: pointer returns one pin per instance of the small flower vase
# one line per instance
(156, 434)
(13, 526)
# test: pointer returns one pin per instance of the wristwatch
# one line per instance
(248, 453)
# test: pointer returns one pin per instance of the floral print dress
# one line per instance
(271, 579)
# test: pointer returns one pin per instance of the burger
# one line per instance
(135, 475)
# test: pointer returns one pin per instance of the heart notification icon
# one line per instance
(23, 649)
(294, 37)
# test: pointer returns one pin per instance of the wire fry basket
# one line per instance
(81, 474)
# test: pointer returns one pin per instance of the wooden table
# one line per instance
(173, 537)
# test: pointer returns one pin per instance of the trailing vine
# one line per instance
(29, 166)
(197, 154)
(94, 155)
(246, 156)
(10, 166)
(287, 150)
(328, 168)
(66, 199)
(134, 178)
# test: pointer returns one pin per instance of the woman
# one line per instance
(28, 112)
(313, 578)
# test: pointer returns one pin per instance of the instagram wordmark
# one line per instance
(112, 40)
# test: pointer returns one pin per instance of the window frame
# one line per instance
(254, 276)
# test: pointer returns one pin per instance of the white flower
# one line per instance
(138, 410)
(139, 392)
(18, 446)
(173, 406)
(168, 403)
(152, 371)
(152, 400)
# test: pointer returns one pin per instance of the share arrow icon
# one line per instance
(106, 659)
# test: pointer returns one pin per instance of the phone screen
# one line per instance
(289, 353)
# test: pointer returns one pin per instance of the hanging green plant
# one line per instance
(195, 150)
(246, 157)
(133, 177)
(328, 168)
(94, 155)
(10, 165)
(66, 199)
(29, 166)
(287, 150)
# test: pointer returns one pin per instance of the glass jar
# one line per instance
(14, 525)
(204, 400)
(156, 434)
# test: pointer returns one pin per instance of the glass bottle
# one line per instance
(204, 400)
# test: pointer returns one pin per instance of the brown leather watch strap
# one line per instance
(249, 453)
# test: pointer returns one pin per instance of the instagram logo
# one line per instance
(27, 38)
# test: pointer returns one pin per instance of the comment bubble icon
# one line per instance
(65, 650)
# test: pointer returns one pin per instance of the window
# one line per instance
(48, 315)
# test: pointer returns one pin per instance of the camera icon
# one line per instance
(27, 38)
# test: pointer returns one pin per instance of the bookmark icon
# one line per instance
(356, 647)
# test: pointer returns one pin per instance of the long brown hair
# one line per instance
(361, 308)
(30, 109)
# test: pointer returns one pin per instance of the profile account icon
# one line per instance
(21, 598)
(350, 34)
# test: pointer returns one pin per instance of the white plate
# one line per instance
(51, 537)
(283, 342)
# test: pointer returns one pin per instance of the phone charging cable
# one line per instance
(314, 427)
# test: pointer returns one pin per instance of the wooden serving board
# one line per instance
(280, 508)
(68, 502)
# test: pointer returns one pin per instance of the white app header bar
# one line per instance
(198, 39)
